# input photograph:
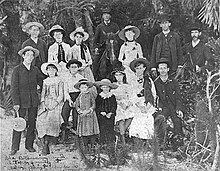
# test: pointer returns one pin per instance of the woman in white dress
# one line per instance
(49, 112)
(143, 97)
(130, 49)
(125, 109)
(58, 52)
(80, 51)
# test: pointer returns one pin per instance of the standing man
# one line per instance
(166, 45)
(25, 79)
(169, 102)
(197, 54)
(106, 26)
(34, 29)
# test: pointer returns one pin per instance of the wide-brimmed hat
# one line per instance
(27, 48)
(163, 60)
(195, 26)
(141, 60)
(118, 67)
(44, 67)
(56, 28)
(135, 29)
(73, 61)
(83, 81)
(79, 30)
(163, 17)
(106, 82)
(28, 25)
(19, 124)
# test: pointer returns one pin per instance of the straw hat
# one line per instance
(28, 25)
(141, 60)
(135, 29)
(27, 48)
(79, 30)
(56, 28)
(73, 61)
(19, 124)
(44, 67)
(83, 81)
(106, 82)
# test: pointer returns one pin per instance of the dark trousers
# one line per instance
(66, 112)
(160, 122)
(31, 125)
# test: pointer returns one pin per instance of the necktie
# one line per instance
(61, 53)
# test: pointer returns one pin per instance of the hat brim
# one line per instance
(101, 83)
(85, 37)
(36, 52)
(28, 25)
(141, 60)
(136, 30)
(51, 32)
(89, 84)
(119, 70)
(19, 124)
(44, 67)
(73, 62)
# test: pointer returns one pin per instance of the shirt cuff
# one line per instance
(180, 66)
(153, 69)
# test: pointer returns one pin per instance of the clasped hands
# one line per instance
(108, 115)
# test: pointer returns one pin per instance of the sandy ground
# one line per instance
(62, 157)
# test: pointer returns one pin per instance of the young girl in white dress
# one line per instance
(130, 49)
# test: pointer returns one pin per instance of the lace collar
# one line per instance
(106, 95)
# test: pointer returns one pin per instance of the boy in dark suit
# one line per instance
(25, 80)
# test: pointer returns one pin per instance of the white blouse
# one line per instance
(76, 54)
(130, 51)
(53, 52)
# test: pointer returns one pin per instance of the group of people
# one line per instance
(132, 100)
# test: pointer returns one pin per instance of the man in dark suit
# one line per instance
(24, 83)
(196, 53)
(169, 102)
(105, 27)
(166, 45)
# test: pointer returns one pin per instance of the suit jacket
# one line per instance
(168, 91)
(100, 36)
(40, 45)
(24, 86)
(175, 50)
(198, 55)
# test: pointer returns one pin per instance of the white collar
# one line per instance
(106, 95)
(166, 32)
(35, 40)
(27, 66)
(195, 43)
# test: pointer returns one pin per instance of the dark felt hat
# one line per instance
(195, 26)
(163, 17)
(106, 10)
(83, 81)
(73, 61)
(163, 60)
(118, 67)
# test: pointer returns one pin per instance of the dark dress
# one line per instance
(106, 125)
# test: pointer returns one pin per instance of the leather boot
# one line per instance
(63, 136)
